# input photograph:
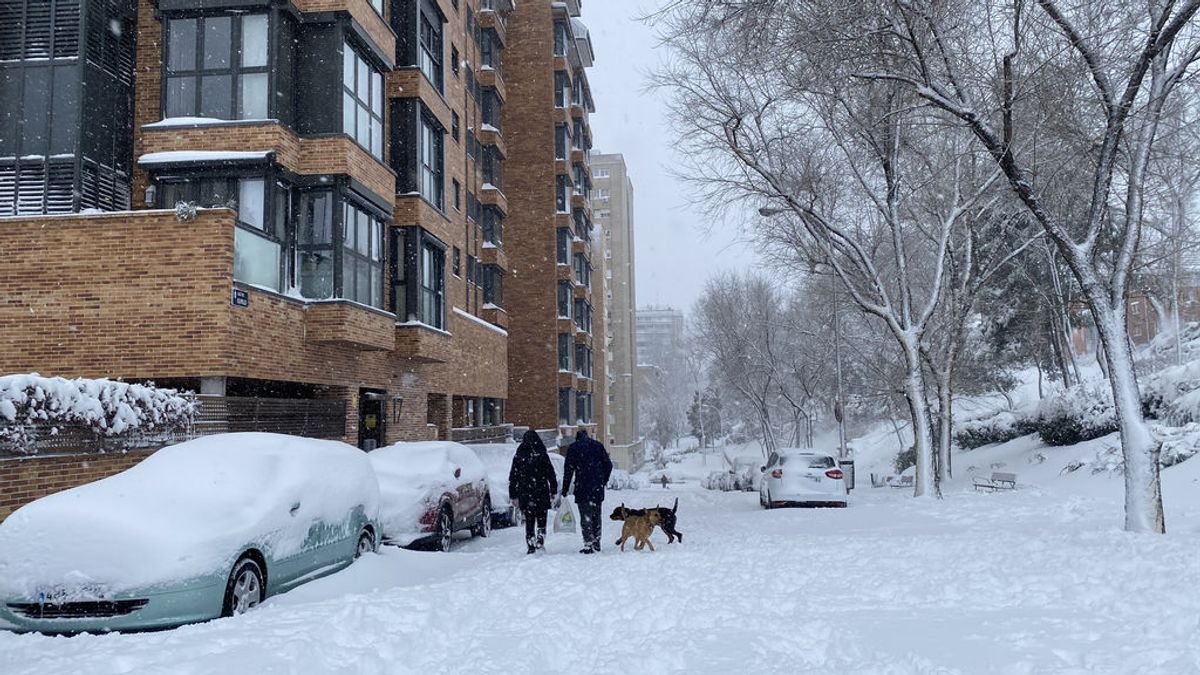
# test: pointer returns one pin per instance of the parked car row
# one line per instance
(214, 526)
(794, 477)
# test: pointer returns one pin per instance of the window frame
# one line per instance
(430, 131)
(373, 108)
(431, 38)
(234, 70)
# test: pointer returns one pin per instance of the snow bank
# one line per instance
(413, 476)
(185, 511)
(106, 407)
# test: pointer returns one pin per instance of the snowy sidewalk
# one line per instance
(979, 583)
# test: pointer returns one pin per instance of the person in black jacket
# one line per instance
(531, 486)
(588, 463)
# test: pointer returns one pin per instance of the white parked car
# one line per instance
(801, 477)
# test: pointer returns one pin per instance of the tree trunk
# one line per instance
(1143, 491)
(945, 424)
(918, 410)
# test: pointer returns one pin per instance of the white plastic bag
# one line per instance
(565, 518)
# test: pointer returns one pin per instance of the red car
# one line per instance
(430, 490)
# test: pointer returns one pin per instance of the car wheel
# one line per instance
(245, 588)
(484, 528)
(768, 505)
(445, 529)
(365, 545)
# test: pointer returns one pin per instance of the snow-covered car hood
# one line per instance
(183, 513)
(413, 475)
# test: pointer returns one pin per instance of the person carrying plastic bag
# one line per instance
(532, 486)
(589, 465)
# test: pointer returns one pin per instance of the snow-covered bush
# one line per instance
(905, 459)
(30, 404)
(1174, 394)
(1077, 414)
(623, 480)
(1000, 428)
(1179, 444)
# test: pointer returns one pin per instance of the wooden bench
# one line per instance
(904, 482)
(998, 481)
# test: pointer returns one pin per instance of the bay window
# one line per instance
(564, 352)
(563, 248)
(493, 225)
(561, 138)
(493, 285)
(362, 256)
(564, 299)
(429, 56)
(561, 84)
(566, 396)
(314, 245)
(433, 285)
(431, 164)
(362, 101)
(562, 197)
(217, 66)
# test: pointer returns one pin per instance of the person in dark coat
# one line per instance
(589, 465)
(532, 486)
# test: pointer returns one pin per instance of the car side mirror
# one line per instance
(458, 472)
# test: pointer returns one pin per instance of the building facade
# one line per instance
(555, 298)
(659, 336)
(612, 201)
(318, 206)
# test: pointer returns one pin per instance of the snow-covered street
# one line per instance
(1026, 582)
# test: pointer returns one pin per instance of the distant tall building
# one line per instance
(659, 336)
(612, 202)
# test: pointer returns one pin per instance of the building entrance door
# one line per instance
(371, 418)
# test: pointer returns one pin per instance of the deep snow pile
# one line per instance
(1024, 582)
(106, 406)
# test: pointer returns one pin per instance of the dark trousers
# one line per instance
(535, 519)
(589, 522)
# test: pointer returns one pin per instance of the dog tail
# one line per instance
(676, 507)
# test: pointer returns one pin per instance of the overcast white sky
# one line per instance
(674, 255)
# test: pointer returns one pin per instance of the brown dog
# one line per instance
(638, 523)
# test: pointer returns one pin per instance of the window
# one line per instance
(561, 138)
(564, 299)
(362, 101)
(583, 229)
(454, 60)
(457, 194)
(563, 250)
(583, 407)
(493, 285)
(577, 88)
(493, 167)
(583, 270)
(490, 109)
(471, 269)
(432, 163)
(602, 194)
(564, 351)
(456, 262)
(362, 256)
(601, 173)
(217, 67)
(378, 6)
(261, 231)
(565, 398)
(314, 245)
(490, 50)
(455, 124)
(582, 184)
(493, 225)
(560, 38)
(583, 360)
(562, 198)
(433, 285)
(430, 54)
(560, 89)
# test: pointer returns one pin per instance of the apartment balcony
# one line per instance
(580, 246)
(568, 379)
(562, 167)
(490, 195)
(578, 112)
(372, 24)
(490, 77)
(566, 325)
(580, 292)
(489, 18)
(496, 316)
(423, 344)
(582, 337)
(410, 82)
(578, 201)
(584, 157)
(490, 135)
(493, 255)
(345, 323)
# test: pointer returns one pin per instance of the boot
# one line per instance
(541, 539)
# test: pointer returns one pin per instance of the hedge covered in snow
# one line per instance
(31, 404)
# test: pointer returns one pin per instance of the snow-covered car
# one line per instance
(746, 471)
(723, 481)
(497, 459)
(199, 530)
(793, 477)
(621, 479)
(428, 491)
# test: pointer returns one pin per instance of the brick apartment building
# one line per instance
(557, 349)
(352, 261)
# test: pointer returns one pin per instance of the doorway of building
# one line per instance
(371, 418)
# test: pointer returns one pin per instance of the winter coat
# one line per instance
(531, 481)
(589, 465)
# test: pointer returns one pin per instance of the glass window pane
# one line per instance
(363, 290)
(364, 81)
(348, 113)
(215, 94)
(218, 42)
(255, 259)
(348, 226)
(363, 134)
(254, 97)
(181, 96)
(377, 94)
(316, 274)
(363, 239)
(254, 40)
(377, 138)
(348, 277)
(376, 240)
(181, 44)
(347, 67)
(250, 202)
